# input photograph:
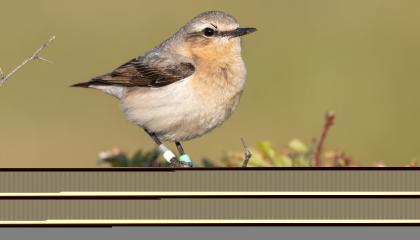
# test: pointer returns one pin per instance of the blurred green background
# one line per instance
(360, 58)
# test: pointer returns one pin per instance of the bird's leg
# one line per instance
(167, 154)
(183, 157)
(180, 148)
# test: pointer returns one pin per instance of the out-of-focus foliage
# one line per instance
(117, 158)
(295, 154)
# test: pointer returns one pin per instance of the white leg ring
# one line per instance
(167, 154)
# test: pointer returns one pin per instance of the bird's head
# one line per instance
(212, 35)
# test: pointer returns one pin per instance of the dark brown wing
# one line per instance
(137, 73)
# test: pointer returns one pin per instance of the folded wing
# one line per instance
(140, 73)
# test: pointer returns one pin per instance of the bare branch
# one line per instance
(34, 56)
(43, 59)
(247, 153)
(329, 121)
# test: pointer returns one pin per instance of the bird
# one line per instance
(186, 86)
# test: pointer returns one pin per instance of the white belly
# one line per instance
(174, 112)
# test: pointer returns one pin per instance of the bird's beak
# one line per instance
(240, 32)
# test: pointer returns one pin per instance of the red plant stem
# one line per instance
(329, 121)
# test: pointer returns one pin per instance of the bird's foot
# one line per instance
(179, 164)
(184, 159)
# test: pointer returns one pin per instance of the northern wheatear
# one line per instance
(186, 86)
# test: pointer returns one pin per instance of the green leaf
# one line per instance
(282, 161)
(301, 161)
(117, 161)
(137, 159)
(266, 149)
(298, 146)
(151, 158)
(207, 163)
(257, 161)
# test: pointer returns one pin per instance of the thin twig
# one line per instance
(34, 56)
(329, 121)
(247, 153)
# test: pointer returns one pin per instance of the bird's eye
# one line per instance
(208, 32)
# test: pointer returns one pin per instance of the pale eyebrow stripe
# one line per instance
(213, 25)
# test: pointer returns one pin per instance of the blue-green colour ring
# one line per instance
(185, 158)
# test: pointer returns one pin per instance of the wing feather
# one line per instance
(140, 73)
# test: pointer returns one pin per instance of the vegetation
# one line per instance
(295, 154)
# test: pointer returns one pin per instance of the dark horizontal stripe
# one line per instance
(110, 225)
(210, 197)
(154, 169)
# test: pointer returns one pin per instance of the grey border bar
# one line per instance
(211, 233)
(250, 180)
(363, 196)
(252, 210)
